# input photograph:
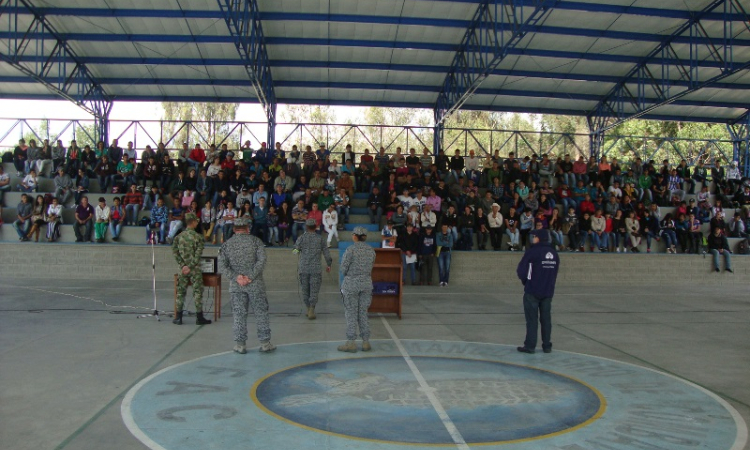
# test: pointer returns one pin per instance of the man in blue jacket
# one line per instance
(538, 273)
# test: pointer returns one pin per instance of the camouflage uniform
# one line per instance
(311, 245)
(187, 249)
(356, 267)
(245, 254)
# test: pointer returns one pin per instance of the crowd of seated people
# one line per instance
(597, 204)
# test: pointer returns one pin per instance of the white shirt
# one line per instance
(428, 219)
(471, 163)
(56, 210)
(330, 218)
(495, 221)
(419, 202)
(388, 233)
(29, 181)
(101, 213)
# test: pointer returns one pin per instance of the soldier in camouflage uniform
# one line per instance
(356, 267)
(187, 249)
(310, 246)
(242, 259)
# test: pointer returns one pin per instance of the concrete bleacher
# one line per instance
(136, 235)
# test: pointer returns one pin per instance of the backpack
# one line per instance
(7, 157)
(742, 247)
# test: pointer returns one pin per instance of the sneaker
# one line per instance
(349, 347)
(717, 270)
(445, 284)
(266, 347)
(624, 250)
(525, 350)
(366, 347)
(618, 249)
(547, 349)
(729, 270)
(648, 250)
(240, 348)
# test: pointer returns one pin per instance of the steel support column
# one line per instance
(437, 139)
(498, 27)
(740, 133)
(649, 84)
(243, 20)
(33, 46)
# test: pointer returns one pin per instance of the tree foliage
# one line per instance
(208, 123)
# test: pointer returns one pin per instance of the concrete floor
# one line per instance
(66, 360)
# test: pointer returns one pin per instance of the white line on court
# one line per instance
(428, 391)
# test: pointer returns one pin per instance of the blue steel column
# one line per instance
(740, 133)
(244, 24)
(596, 137)
(437, 140)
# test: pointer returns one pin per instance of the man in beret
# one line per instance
(310, 246)
(538, 274)
(356, 289)
(187, 249)
(242, 259)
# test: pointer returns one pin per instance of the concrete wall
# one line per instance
(82, 261)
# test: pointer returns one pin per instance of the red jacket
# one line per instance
(588, 207)
(197, 154)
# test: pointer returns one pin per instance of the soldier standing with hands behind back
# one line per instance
(310, 246)
(242, 259)
(187, 249)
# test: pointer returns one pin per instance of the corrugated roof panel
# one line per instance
(700, 111)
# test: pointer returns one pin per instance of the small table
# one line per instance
(209, 280)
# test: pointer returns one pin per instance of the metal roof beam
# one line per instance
(622, 103)
(498, 25)
(215, 14)
(386, 20)
(374, 86)
(243, 21)
(540, 53)
(39, 51)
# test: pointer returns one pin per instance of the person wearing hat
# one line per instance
(356, 290)
(537, 271)
(242, 260)
(187, 249)
(310, 246)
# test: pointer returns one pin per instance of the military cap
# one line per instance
(310, 223)
(189, 217)
(241, 222)
(360, 231)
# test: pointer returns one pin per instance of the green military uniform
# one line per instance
(187, 249)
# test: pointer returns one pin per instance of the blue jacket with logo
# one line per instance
(538, 270)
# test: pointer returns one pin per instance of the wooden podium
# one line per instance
(387, 268)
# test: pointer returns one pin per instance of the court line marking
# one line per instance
(427, 390)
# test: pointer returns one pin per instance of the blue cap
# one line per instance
(542, 235)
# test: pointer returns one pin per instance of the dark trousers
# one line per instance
(537, 311)
(87, 229)
(425, 269)
(496, 237)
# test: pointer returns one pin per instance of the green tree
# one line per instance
(204, 123)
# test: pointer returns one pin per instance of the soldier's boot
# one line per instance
(200, 320)
(366, 347)
(311, 312)
(266, 347)
(177, 318)
(239, 347)
(349, 346)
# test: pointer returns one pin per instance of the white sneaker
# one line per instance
(618, 249)
(625, 250)
(266, 347)
(240, 348)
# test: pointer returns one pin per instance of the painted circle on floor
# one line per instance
(446, 394)
(476, 395)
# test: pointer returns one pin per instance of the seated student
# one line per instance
(450, 219)
(101, 217)
(598, 235)
(525, 227)
(718, 245)
(571, 228)
(619, 232)
(227, 216)
(466, 227)
(260, 221)
(482, 228)
(29, 183)
(737, 227)
(695, 236)
(84, 219)
(634, 231)
(158, 221)
(669, 233)
(116, 219)
(53, 218)
(717, 223)
(317, 215)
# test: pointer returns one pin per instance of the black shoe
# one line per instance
(717, 270)
(547, 349)
(177, 318)
(526, 350)
(729, 270)
(200, 320)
